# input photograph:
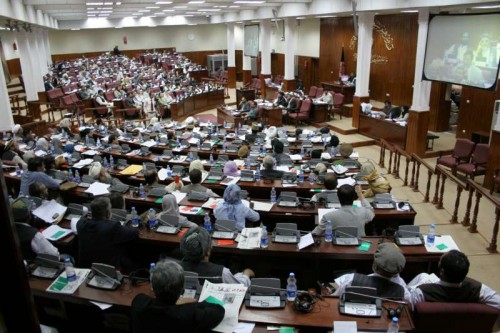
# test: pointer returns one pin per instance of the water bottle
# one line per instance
(105, 163)
(311, 178)
(291, 287)
(87, 141)
(273, 195)
(190, 156)
(264, 242)
(70, 270)
(18, 170)
(393, 325)
(4, 136)
(144, 168)
(225, 124)
(247, 163)
(257, 173)
(302, 151)
(152, 218)
(52, 149)
(134, 218)
(77, 177)
(224, 146)
(142, 193)
(152, 266)
(431, 236)
(169, 172)
(328, 232)
(98, 143)
(178, 143)
(198, 144)
(111, 162)
(301, 177)
(211, 159)
(207, 224)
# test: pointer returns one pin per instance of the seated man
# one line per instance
(195, 186)
(278, 155)
(281, 100)
(105, 241)
(394, 113)
(347, 215)
(330, 186)
(253, 111)
(388, 262)
(243, 106)
(168, 312)
(35, 174)
(268, 171)
(196, 246)
(151, 179)
(453, 285)
(32, 241)
(39, 190)
(346, 150)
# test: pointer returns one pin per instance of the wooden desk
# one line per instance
(199, 74)
(196, 103)
(224, 115)
(347, 91)
(249, 94)
(319, 112)
(272, 116)
(322, 317)
(382, 129)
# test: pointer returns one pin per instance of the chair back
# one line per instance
(319, 92)
(338, 100)
(305, 107)
(312, 92)
(480, 155)
(463, 148)
(454, 317)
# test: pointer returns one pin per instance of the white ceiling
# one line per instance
(86, 14)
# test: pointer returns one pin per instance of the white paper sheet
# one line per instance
(444, 240)
(230, 180)
(48, 211)
(179, 196)
(305, 241)
(345, 327)
(296, 157)
(262, 206)
(102, 306)
(244, 327)
(325, 156)
(55, 232)
(83, 163)
(360, 309)
(250, 238)
(98, 188)
(149, 143)
(232, 296)
(179, 159)
(61, 285)
(211, 203)
(162, 174)
(344, 181)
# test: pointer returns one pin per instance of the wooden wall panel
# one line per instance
(393, 70)
(239, 65)
(335, 33)
(439, 118)
(14, 66)
(277, 64)
(416, 135)
(476, 110)
(307, 71)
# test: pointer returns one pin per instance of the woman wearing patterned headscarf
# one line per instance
(196, 245)
(170, 207)
(232, 208)
(231, 169)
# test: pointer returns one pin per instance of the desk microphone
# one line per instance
(162, 222)
(401, 232)
(203, 277)
(101, 273)
(343, 234)
(287, 229)
(376, 297)
(216, 225)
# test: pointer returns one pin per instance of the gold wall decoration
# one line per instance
(388, 42)
(386, 36)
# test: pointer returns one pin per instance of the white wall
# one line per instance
(206, 38)
(307, 37)
(8, 39)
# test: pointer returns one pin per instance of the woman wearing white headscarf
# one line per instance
(232, 208)
(170, 207)
(99, 173)
(42, 144)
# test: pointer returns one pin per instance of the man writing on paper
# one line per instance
(168, 312)
(347, 215)
(388, 262)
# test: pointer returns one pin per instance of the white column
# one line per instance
(421, 88)
(231, 51)
(265, 46)
(365, 41)
(47, 47)
(247, 61)
(37, 61)
(6, 120)
(290, 47)
(43, 51)
(27, 66)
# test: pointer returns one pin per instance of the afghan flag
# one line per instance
(342, 70)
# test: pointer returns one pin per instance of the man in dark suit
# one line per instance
(168, 312)
(105, 241)
(268, 171)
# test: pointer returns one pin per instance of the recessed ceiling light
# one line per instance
(144, 11)
(210, 10)
(118, 3)
(325, 16)
(234, 6)
(169, 10)
(249, 1)
(196, 1)
(71, 29)
(93, 15)
(94, 3)
(239, 22)
(486, 7)
(409, 11)
(163, 2)
(153, 7)
(301, 17)
(108, 3)
(180, 7)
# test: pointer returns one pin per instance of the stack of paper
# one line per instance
(131, 170)
(98, 188)
(55, 232)
(212, 203)
(61, 285)
(249, 238)
(50, 211)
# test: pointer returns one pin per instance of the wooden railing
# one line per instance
(461, 186)
(417, 161)
(386, 146)
(401, 152)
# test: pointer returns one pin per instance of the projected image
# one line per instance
(463, 49)
(251, 46)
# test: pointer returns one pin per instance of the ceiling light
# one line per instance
(118, 3)
(249, 2)
(486, 7)
(108, 4)
(188, 15)
(192, 24)
(93, 15)
(163, 2)
(168, 10)
(210, 10)
(325, 16)
(300, 17)
(74, 29)
(144, 11)
(409, 11)
(196, 1)
(94, 3)
(152, 7)
(90, 8)
(106, 8)
(234, 6)
(180, 7)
